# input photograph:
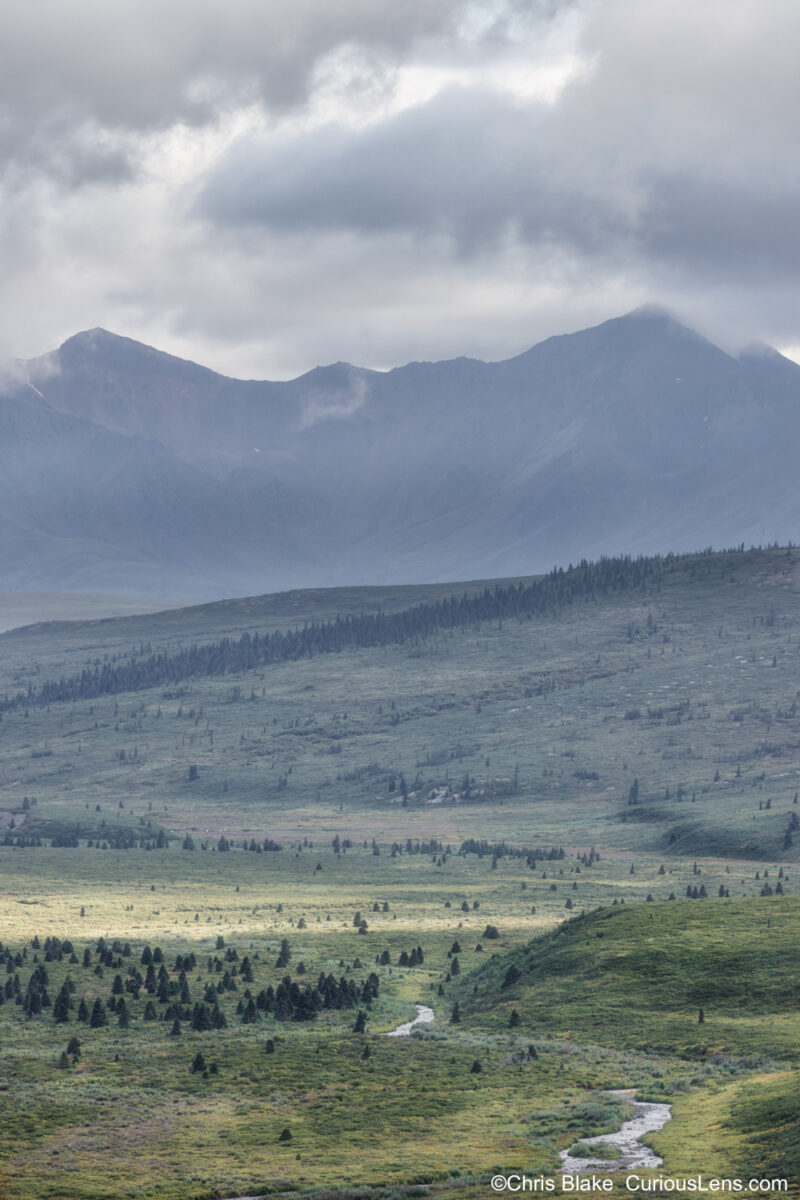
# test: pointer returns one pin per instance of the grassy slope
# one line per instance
(746, 1127)
(637, 976)
(708, 663)
(66, 636)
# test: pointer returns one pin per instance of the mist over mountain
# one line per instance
(125, 469)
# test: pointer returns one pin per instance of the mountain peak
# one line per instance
(658, 315)
(115, 352)
(91, 336)
(659, 321)
(101, 341)
(650, 312)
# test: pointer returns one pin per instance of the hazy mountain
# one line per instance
(125, 468)
(96, 509)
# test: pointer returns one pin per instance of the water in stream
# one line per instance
(647, 1118)
(424, 1017)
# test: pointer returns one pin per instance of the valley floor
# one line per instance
(571, 835)
(502, 1080)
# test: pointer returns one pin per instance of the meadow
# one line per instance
(584, 822)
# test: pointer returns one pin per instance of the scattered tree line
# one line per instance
(545, 596)
(496, 850)
(126, 976)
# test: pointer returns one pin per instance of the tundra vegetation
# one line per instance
(563, 813)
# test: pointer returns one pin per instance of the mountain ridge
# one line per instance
(634, 435)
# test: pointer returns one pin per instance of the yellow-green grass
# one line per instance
(128, 1114)
(746, 1125)
(130, 1110)
(134, 893)
(695, 977)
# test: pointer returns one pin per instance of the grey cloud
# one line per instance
(471, 165)
(149, 64)
(12, 374)
(664, 154)
(476, 222)
(723, 230)
(16, 374)
(71, 155)
(128, 69)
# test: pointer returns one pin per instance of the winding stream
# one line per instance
(424, 1017)
(647, 1118)
(632, 1153)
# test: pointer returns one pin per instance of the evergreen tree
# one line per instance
(61, 1007)
(98, 1016)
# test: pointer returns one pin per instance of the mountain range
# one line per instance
(124, 469)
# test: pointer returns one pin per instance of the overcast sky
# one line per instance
(264, 186)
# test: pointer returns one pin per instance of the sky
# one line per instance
(264, 186)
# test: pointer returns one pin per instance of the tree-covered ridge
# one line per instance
(548, 595)
(545, 596)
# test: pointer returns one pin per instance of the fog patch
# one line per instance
(338, 404)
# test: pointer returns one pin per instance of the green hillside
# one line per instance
(638, 976)
(681, 688)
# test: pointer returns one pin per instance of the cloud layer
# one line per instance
(264, 187)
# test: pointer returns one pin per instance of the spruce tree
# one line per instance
(98, 1017)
